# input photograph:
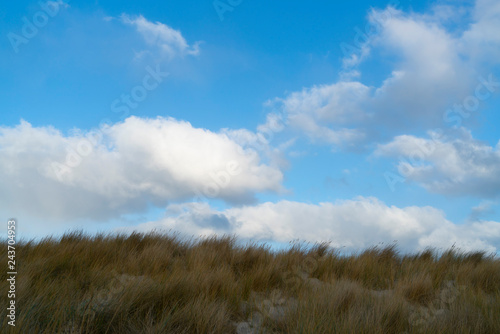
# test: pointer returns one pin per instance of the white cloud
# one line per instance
(168, 41)
(482, 40)
(354, 224)
(431, 68)
(263, 141)
(453, 166)
(339, 105)
(136, 163)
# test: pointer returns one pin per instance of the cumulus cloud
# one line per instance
(449, 165)
(481, 41)
(353, 224)
(168, 41)
(123, 168)
(326, 112)
(431, 68)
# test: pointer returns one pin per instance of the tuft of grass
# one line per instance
(417, 289)
(159, 283)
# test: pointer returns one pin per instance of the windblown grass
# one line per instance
(157, 283)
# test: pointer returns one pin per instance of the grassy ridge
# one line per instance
(156, 283)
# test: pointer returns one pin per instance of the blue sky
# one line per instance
(355, 124)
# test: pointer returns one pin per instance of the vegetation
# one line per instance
(158, 283)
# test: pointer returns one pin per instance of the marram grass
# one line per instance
(157, 283)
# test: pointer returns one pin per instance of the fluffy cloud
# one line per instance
(325, 112)
(481, 41)
(167, 40)
(431, 67)
(353, 224)
(453, 166)
(123, 168)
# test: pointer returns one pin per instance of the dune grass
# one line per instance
(158, 283)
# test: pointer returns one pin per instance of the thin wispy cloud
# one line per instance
(161, 38)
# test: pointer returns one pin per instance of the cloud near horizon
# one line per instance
(351, 224)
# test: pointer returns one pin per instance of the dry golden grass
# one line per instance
(157, 283)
